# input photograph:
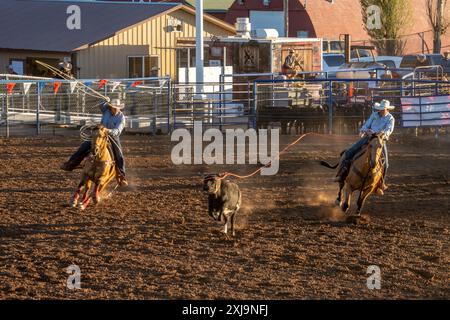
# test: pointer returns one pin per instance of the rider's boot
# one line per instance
(68, 166)
(121, 180)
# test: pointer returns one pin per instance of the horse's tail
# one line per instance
(326, 164)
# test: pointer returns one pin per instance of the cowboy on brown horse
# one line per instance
(113, 120)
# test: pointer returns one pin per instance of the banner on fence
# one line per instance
(10, 86)
(26, 87)
(426, 111)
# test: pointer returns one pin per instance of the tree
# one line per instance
(439, 18)
(394, 17)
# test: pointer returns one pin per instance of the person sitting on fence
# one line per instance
(381, 120)
(291, 65)
(66, 70)
(114, 120)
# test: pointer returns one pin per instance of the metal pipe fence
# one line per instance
(312, 104)
(41, 102)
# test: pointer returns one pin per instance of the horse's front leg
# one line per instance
(339, 197)
(86, 197)
(362, 199)
(96, 193)
(76, 196)
(347, 196)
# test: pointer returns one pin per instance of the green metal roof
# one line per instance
(213, 5)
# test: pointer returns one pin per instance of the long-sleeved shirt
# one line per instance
(114, 123)
(378, 124)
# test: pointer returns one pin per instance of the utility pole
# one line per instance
(286, 18)
(438, 29)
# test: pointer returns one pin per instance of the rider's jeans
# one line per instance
(353, 150)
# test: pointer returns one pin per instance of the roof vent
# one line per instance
(243, 27)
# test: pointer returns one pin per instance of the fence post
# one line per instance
(221, 98)
(6, 114)
(38, 129)
(330, 107)
(255, 104)
(169, 103)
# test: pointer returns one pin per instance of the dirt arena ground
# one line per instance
(155, 240)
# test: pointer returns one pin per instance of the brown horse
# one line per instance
(365, 174)
(99, 169)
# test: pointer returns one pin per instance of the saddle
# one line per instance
(347, 164)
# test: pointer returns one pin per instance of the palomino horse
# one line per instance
(99, 169)
(365, 174)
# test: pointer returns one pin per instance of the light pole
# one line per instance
(438, 30)
(286, 18)
(199, 51)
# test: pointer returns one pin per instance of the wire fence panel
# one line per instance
(221, 104)
(342, 105)
(313, 104)
(41, 102)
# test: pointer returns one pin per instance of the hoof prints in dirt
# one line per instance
(157, 241)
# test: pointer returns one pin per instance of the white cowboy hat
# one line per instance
(115, 103)
(66, 65)
(384, 104)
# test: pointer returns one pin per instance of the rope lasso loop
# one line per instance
(86, 131)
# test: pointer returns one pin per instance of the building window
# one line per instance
(143, 66)
(302, 34)
(17, 66)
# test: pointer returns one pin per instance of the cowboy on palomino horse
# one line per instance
(113, 121)
(380, 121)
(361, 167)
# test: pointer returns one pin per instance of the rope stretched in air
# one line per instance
(229, 174)
(68, 77)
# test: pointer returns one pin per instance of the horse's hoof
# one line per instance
(358, 219)
(73, 204)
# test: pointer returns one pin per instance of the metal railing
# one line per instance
(334, 105)
(254, 100)
(61, 102)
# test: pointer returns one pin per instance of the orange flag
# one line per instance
(10, 87)
(56, 86)
(102, 83)
(136, 83)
